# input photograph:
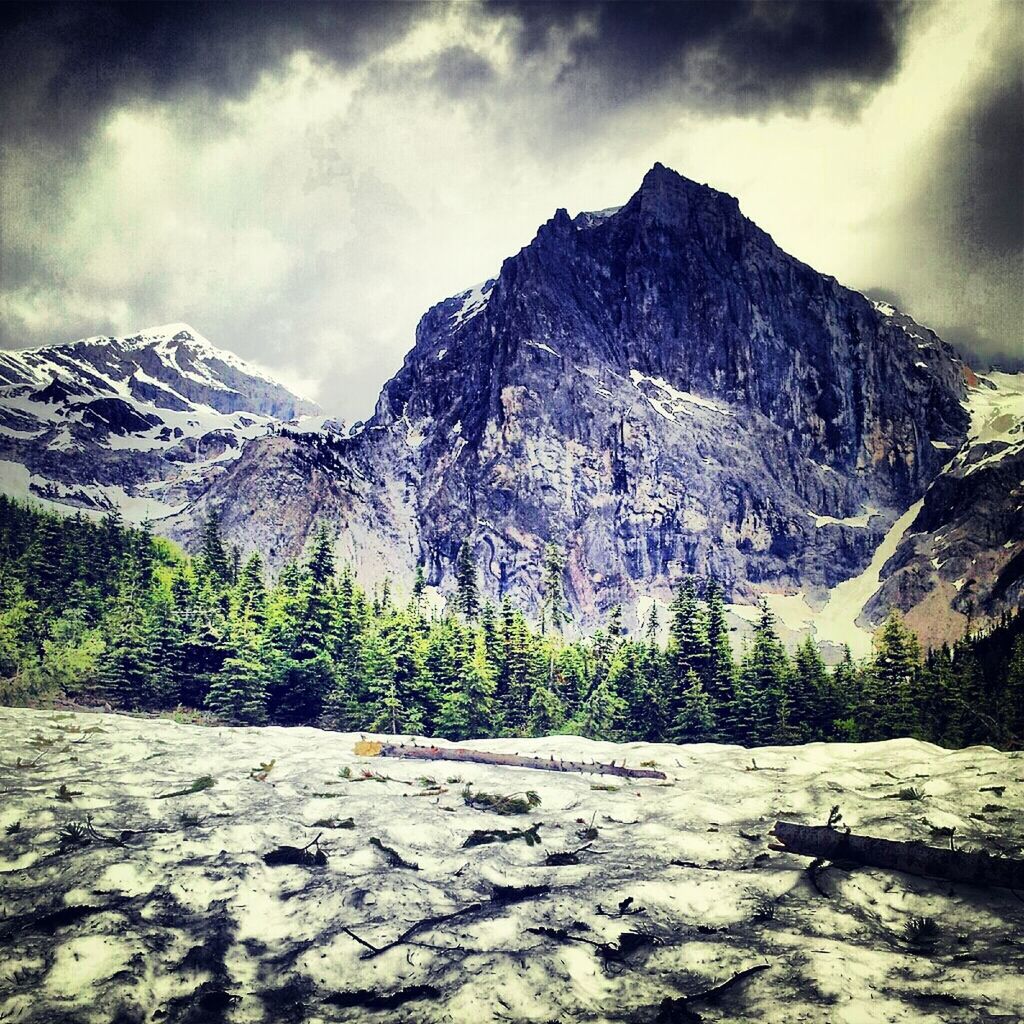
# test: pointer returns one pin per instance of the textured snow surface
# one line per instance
(186, 917)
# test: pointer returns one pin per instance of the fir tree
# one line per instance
(213, 553)
(238, 692)
(555, 610)
(895, 664)
(687, 644)
(694, 722)
(601, 713)
(467, 593)
(547, 715)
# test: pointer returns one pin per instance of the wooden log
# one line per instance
(371, 748)
(913, 858)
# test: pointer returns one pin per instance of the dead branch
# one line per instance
(368, 748)
(420, 926)
(912, 858)
(678, 1011)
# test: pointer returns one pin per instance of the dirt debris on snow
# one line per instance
(274, 894)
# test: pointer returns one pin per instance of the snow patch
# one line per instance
(671, 401)
(544, 348)
(859, 520)
(473, 302)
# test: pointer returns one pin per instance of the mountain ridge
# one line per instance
(659, 389)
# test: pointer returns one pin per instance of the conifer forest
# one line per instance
(98, 613)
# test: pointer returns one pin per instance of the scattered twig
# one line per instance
(297, 855)
(392, 856)
(202, 783)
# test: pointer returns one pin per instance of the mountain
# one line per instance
(660, 390)
(144, 422)
(657, 388)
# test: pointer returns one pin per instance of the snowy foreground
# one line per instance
(184, 920)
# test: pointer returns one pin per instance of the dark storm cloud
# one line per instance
(65, 64)
(737, 54)
(986, 169)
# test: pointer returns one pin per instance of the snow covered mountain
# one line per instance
(144, 422)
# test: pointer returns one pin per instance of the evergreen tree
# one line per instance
(636, 675)
(213, 553)
(719, 675)
(762, 685)
(601, 713)
(687, 645)
(251, 591)
(811, 707)
(547, 715)
(896, 661)
(467, 593)
(238, 691)
(555, 609)
(695, 720)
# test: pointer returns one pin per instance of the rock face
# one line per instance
(963, 559)
(660, 390)
(144, 423)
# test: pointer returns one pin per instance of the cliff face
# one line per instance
(659, 389)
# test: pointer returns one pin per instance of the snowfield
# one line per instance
(167, 911)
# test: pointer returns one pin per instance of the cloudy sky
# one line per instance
(301, 181)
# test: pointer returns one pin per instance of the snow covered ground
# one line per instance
(181, 919)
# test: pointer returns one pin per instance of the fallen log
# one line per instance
(912, 858)
(372, 748)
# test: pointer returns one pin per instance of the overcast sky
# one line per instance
(301, 182)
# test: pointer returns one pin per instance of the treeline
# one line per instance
(98, 612)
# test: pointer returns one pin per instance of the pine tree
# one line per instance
(695, 720)
(719, 675)
(521, 673)
(897, 658)
(238, 692)
(602, 712)
(811, 708)
(547, 715)
(1012, 712)
(467, 593)
(687, 644)
(762, 684)
(636, 675)
(555, 609)
(251, 591)
(213, 553)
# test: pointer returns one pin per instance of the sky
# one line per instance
(300, 182)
